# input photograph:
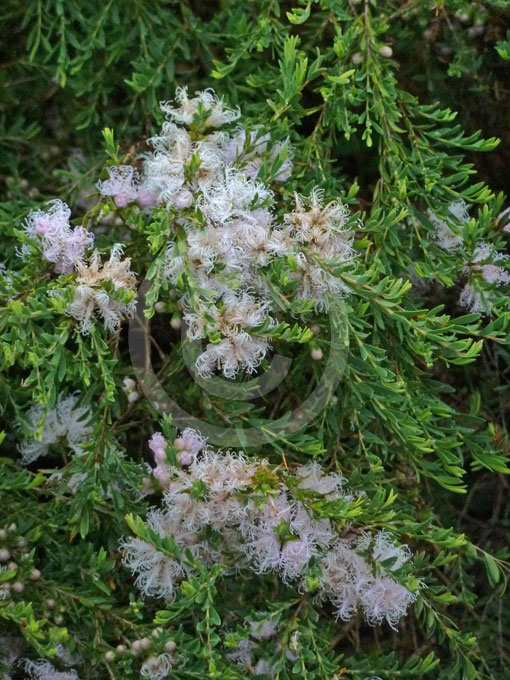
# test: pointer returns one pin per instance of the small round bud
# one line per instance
(3, 534)
(13, 527)
(35, 574)
(109, 656)
(159, 307)
(6, 587)
(4, 555)
(317, 354)
(12, 565)
(136, 645)
(22, 542)
(50, 603)
(18, 587)
(145, 643)
(170, 646)
(176, 322)
(386, 51)
(356, 58)
(121, 200)
(157, 631)
(121, 649)
(129, 384)
(133, 397)
(59, 620)
(24, 184)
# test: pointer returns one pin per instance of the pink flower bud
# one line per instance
(42, 226)
(146, 198)
(160, 455)
(185, 458)
(162, 475)
(121, 200)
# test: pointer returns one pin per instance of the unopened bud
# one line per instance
(145, 643)
(170, 646)
(386, 51)
(109, 656)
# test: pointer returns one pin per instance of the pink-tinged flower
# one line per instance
(61, 244)
(122, 185)
(162, 474)
(189, 444)
(146, 198)
(158, 444)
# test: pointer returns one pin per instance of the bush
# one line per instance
(254, 340)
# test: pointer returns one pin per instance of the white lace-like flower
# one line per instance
(385, 549)
(122, 185)
(64, 420)
(385, 599)
(61, 244)
(219, 113)
(314, 479)
(43, 669)
(238, 350)
(476, 301)
(94, 294)
(157, 667)
(445, 237)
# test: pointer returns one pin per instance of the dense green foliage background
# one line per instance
(420, 422)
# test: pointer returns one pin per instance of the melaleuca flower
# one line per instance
(106, 289)
(236, 348)
(445, 237)
(320, 236)
(64, 420)
(121, 185)
(384, 598)
(475, 300)
(386, 549)
(263, 629)
(217, 495)
(61, 244)
(189, 444)
(157, 667)
(216, 112)
(11, 649)
(484, 266)
(42, 669)
(313, 478)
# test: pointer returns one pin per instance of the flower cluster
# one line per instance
(248, 514)
(106, 289)
(61, 244)
(43, 669)
(482, 266)
(216, 185)
(64, 420)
